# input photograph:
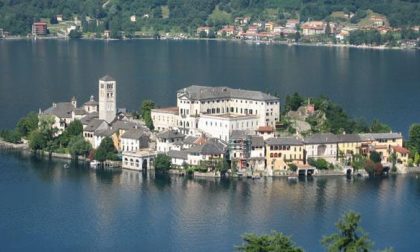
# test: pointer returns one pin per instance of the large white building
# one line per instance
(217, 111)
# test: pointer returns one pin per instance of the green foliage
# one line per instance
(293, 102)
(106, 150)
(369, 37)
(74, 128)
(11, 136)
(186, 15)
(162, 163)
(349, 237)
(414, 138)
(378, 127)
(37, 140)
(145, 112)
(320, 163)
(75, 34)
(273, 242)
(78, 146)
(375, 157)
(358, 162)
(27, 124)
(293, 167)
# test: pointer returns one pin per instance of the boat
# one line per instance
(94, 164)
(292, 178)
(256, 176)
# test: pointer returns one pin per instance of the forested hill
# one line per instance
(16, 16)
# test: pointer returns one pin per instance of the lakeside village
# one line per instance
(213, 131)
(362, 29)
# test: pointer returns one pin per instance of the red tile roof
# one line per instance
(401, 150)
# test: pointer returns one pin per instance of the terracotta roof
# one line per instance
(265, 129)
(401, 150)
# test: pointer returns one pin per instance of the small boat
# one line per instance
(256, 176)
(94, 164)
(292, 178)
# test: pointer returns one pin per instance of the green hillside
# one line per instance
(16, 16)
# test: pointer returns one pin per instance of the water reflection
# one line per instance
(95, 206)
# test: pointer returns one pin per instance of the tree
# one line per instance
(11, 136)
(202, 34)
(414, 138)
(145, 112)
(27, 124)
(74, 128)
(79, 146)
(293, 102)
(320, 163)
(375, 157)
(162, 163)
(350, 237)
(378, 127)
(75, 34)
(37, 140)
(358, 162)
(106, 150)
(273, 242)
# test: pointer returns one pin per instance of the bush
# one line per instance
(162, 163)
(320, 163)
(11, 136)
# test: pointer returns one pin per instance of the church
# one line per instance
(100, 118)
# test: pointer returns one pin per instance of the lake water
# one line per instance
(46, 207)
(383, 84)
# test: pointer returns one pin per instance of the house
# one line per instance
(322, 146)
(401, 154)
(257, 156)
(265, 131)
(377, 21)
(312, 28)
(39, 29)
(59, 18)
(165, 118)
(207, 152)
(292, 23)
(382, 143)
(134, 140)
(179, 158)
(269, 26)
(205, 29)
(62, 113)
(138, 160)
(227, 30)
(350, 144)
(239, 149)
(166, 140)
(133, 18)
(280, 152)
(242, 20)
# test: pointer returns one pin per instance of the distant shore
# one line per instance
(382, 47)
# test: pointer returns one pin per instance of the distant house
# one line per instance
(133, 18)
(313, 28)
(377, 21)
(322, 146)
(292, 23)
(242, 20)
(39, 29)
(269, 26)
(227, 30)
(401, 154)
(167, 140)
(205, 29)
(59, 18)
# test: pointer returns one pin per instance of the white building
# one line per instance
(107, 98)
(234, 109)
(168, 140)
(322, 146)
(134, 140)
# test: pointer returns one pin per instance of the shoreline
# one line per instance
(251, 42)
(24, 148)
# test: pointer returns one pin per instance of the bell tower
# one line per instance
(107, 98)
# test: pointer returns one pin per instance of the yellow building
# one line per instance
(383, 143)
(401, 154)
(283, 151)
(351, 144)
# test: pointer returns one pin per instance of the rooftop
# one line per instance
(324, 138)
(196, 92)
(284, 141)
(169, 134)
(61, 110)
(107, 78)
(170, 110)
(133, 134)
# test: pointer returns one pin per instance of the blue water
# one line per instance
(47, 207)
(382, 84)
